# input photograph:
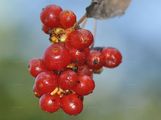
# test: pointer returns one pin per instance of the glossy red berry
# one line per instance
(77, 56)
(50, 16)
(68, 79)
(36, 66)
(36, 92)
(85, 85)
(95, 60)
(67, 19)
(49, 103)
(45, 82)
(71, 104)
(85, 70)
(80, 39)
(56, 57)
(86, 51)
(46, 29)
(112, 57)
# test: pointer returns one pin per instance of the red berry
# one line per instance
(77, 56)
(46, 29)
(56, 57)
(49, 103)
(68, 79)
(36, 92)
(85, 85)
(86, 51)
(50, 16)
(80, 39)
(95, 60)
(67, 19)
(68, 45)
(71, 104)
(112, 57)
(81, 98)
(85, 70)
(45, 82)
(36, 66)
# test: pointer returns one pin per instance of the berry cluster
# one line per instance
(64, 75)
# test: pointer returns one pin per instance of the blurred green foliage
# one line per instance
(18, 102)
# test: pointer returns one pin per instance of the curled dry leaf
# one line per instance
(103, 9)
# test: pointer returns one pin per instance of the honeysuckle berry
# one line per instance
(45, 82)
(71, 104)
(86, 51)
(49, 103)
(80, 39)
(50, 16)
(85, 85)
(67, 18)
(37, 93)
(77, 56)
(56, 57)
(36, 66)
(85, 70)
(68, 79)
(95, 60)
(112, 57)
(46, 29)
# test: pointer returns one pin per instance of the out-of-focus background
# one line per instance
(130, 92)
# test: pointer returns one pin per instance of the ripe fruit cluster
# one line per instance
(64, 74)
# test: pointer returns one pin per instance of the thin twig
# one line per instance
(84, 23)
(80, 21)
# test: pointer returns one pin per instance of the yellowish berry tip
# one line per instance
(54, 91)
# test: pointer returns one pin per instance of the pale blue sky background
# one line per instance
(141, 23)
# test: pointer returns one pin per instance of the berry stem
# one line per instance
(83, 18)
(60, 91)
(84, 23)
(54, 91)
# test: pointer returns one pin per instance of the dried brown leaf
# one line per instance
(102, 9)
